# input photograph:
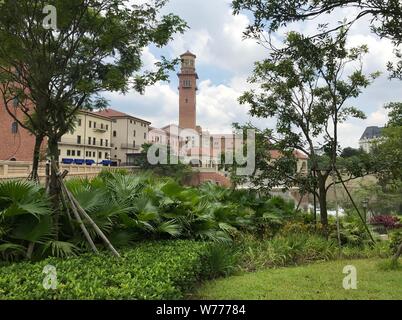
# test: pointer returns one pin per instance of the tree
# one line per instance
(388, 153)
(308, 97)
(51, 74)
(349, 152)
(385, 15)
(179, 171)
(262, 157)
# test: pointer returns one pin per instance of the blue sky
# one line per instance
(225, 60)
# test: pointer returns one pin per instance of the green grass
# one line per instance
(320, 281)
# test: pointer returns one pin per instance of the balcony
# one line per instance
(130, 146)
(101, 130)
(74, 142)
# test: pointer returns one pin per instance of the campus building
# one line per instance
(370, 136)
(89, 143)
(128, 134)
(16, 143)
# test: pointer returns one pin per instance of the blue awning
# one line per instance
(67, 161)
(89, 162)
(106, 162)
(79, 161)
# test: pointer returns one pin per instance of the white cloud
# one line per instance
(216, 37)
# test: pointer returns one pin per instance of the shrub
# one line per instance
(153, 270)
(300, 248)
(220, 261)
(388, 221)
(396, 240)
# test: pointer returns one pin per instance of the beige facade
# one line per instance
(91, 139)
(128, 134)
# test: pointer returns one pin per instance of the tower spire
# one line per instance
(187, 91)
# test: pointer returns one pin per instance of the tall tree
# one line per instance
(97, 46)
(385, 15)
(309, 99)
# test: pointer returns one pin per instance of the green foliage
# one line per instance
(221, 261)
(300, 247)
(291, 249)
(178, 171)
(270, 16)
(25, 217)
(396, 240)
(133, 207)
(154, 270)
(311, 95)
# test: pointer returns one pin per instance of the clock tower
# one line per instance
(187, 91)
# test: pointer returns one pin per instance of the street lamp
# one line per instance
(365, 206)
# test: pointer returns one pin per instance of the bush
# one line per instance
(387, 221)
(396, 240)
(221, 261)
(153, 270)
(300, 248)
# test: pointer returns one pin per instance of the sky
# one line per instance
(225, 60)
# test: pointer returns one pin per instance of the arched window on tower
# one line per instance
(14, 127)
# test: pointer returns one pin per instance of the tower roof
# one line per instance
(371, 133)
(188, 53)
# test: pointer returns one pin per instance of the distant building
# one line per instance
(370, 136)
(128, 134)
(16, 143)
(90, 142)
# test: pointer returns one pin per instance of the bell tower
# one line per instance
(187, 91)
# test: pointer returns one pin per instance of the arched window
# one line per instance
(14, 127)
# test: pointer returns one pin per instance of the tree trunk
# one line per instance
(322, 198)
(54, 184)
(398, 253)
(34, 176)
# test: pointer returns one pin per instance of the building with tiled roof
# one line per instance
(370, 136)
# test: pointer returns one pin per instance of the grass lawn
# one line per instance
(317, 281)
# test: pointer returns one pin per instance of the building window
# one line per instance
(101, 142)
(78, 139)
(114, 134)
(187, 83)
(14, 127)
(90, 124)
(101, 125)
(134, 143)
(107, 127)
(131, 121)
(106, 155)
(95, 125)
(68, 152)
(134, 133)
(94, 141)
(15, 102)
(79, 122)
(73, 153)
(94, 154)
(145, 135)
(100, 155)
(89, 140)
(106, 142)
(78, 153)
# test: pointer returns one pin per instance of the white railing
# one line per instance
(22, 169)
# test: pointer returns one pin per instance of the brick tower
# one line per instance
(187, 91)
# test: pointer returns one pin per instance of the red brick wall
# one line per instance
(17, 146)
(215, 177)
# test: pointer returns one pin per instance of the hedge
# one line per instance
(152, 270)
